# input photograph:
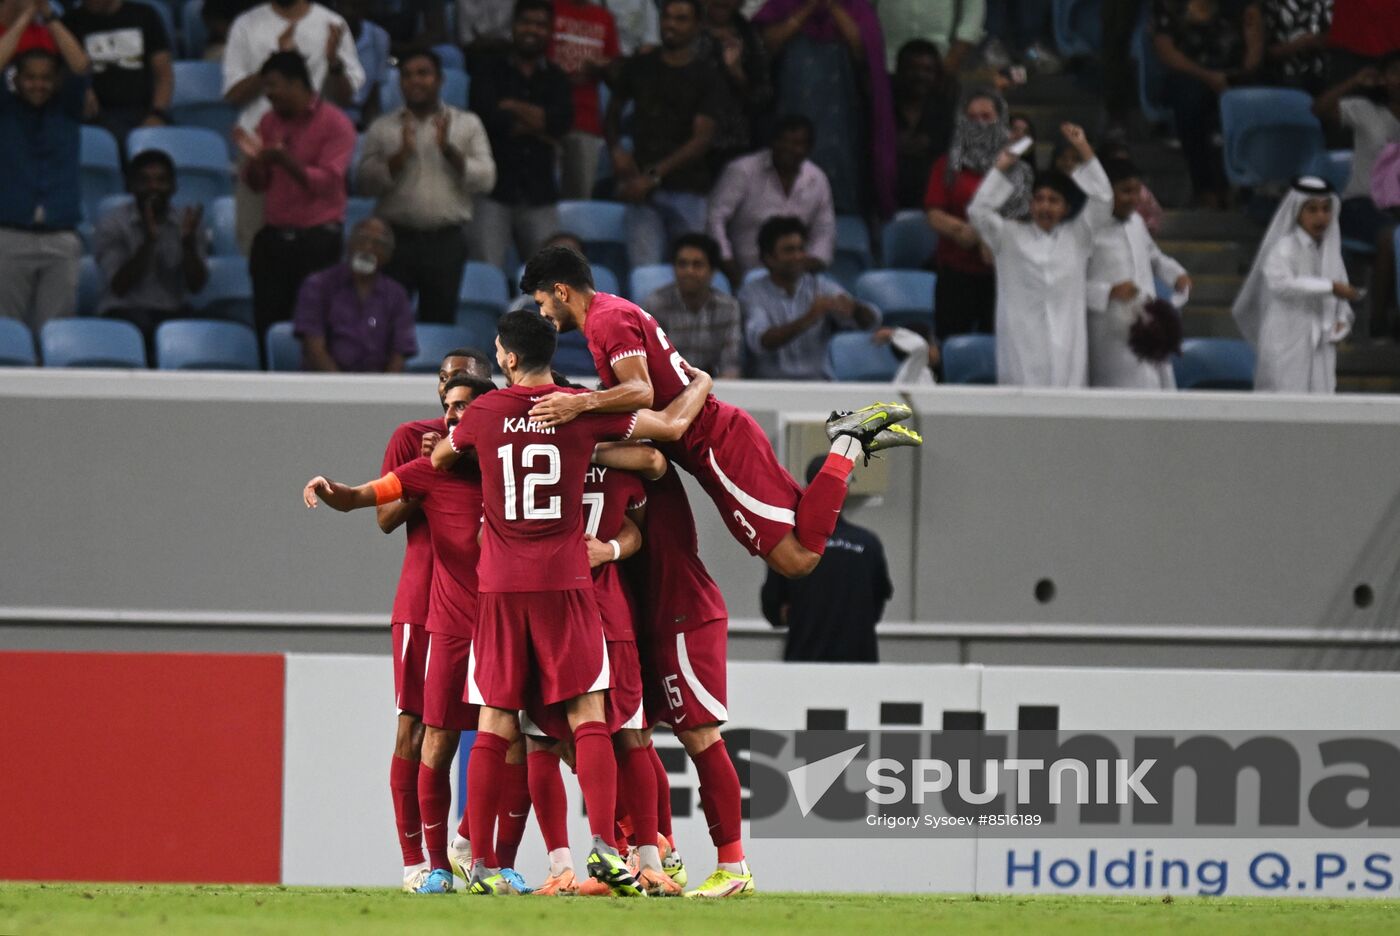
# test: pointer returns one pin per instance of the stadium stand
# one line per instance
(205, 344)
(202, 165)
(16, 344)
(907, 242)
(281, 348)
(1271, 135)
(854, 356)
(101, 168)
(904, 297)
(434, 341)
(228, 294)
(970, 359)
(484, 291)
(91, 342)
(1214, 364)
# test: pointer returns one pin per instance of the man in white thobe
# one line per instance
(1042, 338)
(1121, 281)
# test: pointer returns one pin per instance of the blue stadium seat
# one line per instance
(89, 285)
(101, 168)
(16, 344)
(1271, 135)
(602, 226)
(853, 252)
(281, 348)
(192, 23)
(478, 327)
(1149, 75)
(206, 344)
(853, 356)
(451, 56)
(214, 116)
(197, 82)
(434, 341)
(357, 209)
(222, 219)
(904, 297)
(483, 290)
(203, 168)
(1214, 364)
(1335, 167)
(907, 241)
(456, 87)
(1078, 26)
(644, 280)
(970, 359)
(91, 342)
(572, 356)
(228, 294)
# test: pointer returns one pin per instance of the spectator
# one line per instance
(1122, 275)
(1295, 42)
(1147, 204)
(1020, 31)
(372, 47)
(831, 67)
(34, 35)
(411, 24)
(130, 54)
(483, 29)
(218, 17)
(585, 43)
(1361, 32)
(734, 46)
(924, 105)
(40, 202)
(965, 295)
(150, 258)
(425, 162)
(1293, 305)
(352, 317)
(954, 27)
(526, 104)
(777, 181)
(791, 313)
(323, 39)
(678, 97)
(1385, 193)
(638, 25)
(298, 157)
(700, 321)
(831, 615)
(1373, 125)
(1204, 48)
(1042, 339)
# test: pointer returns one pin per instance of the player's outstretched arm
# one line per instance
(338, 496)
(631, 456)
(632, 392)
(629, 540)
(672, 422)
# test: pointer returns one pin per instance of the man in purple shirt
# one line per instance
(351, 317)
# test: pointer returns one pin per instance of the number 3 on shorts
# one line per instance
(673, 691)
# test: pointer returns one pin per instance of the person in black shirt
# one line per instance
(831, 614)
(132, 78)
(924, 103)
(526, 103)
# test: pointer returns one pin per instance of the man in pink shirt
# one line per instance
(298, 158)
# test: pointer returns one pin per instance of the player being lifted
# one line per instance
(539, 636)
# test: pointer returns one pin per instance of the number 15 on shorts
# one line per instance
(673, 691)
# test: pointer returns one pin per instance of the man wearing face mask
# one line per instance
(151, 258)
(351, 317)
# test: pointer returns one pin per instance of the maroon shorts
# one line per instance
(624, 702)
(445, 683)
(684, 677)
(733, 460)
(410, 644)
(543, 647)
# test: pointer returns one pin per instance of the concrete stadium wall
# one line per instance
(160, 510)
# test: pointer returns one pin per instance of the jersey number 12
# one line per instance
(530, 457)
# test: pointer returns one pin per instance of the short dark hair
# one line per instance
(556, 265)
(477, 385)
(693, 4)
(916, 47)
(697, 241)
(470, 353)
(530, 337)
(775, 229)
(422, 52)
(531, 6)
(561, 380)
(30, 54)
(290, 65)
(150, 157)
(1119, 169)
(790, 122)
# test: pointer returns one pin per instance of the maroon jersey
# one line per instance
(679, 594)
(416, 576)
(532, 480)
(452, 504)
(607, 496)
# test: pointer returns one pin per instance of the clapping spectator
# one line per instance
(132, 78)
(352, 317)
(1205, 47)
(298, 156)
(791, 313)
(426, 162)
(40, 201)
(777, 181)
(1295, 42)
(734, 46)
(700, 321)
(830, 67)
(585, 44)
(151, 257)
(924, 104)
(526, 104)
(678, 97)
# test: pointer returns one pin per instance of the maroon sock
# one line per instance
(821, 503)
(515, 808)
(403, 784)
(485, 770)
(637, 783)
(721, 799)
(597, 777)
(435, 801)
(663, 795)
(550, 801)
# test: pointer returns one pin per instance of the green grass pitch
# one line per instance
(346, 911)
